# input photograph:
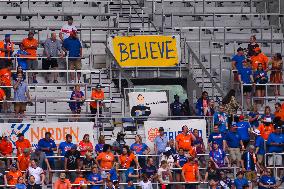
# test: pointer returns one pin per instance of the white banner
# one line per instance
(36, 131)
(172, 129)
(152, 104)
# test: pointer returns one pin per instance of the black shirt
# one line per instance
(72, 159)
(249, 161)
(35, 186)
(213, 174)
(88, 163)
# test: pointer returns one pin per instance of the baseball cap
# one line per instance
(161, 128)
(215, 142)
(256, 131)
(241, 117)
(240, 49)
(99, 86)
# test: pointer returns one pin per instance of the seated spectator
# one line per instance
(88, 161)
(161, 142)
(21, 183)
(140, 148)
(200, 147)
(240, 181)
(276, 72)
(145, 182)
(254, 117)
(251, 46)
(105, 159)
(6, 147)
(184, 141)
(202, 104)
(85, 145)
(95, 178)
(243, 130)
(218, 156)
(237, 63)
(265, 128)
(259, 145)
(19, 70)
(6, 51)
(101, 142)
(81, 180)
(131, 174)
(267, 180)
(130, 185)
(190, 173)
(165, 175)
(32, 184)
(77, 96)
(180, 160)
(212, 174)
(279, 112)
(22, 55)
(22, 143)
(65, 146)
(126, 157)
(23, 160)
(230, 105)
(218, 137)
(41, 159)
(36, 171)
(176, 107)
(71, 160)
(62, 182)
(275, 143)
(11, 178)
(98, 95)
(221, 119)
(260, 77)
(150, 169)
(267, 114)
(225, 182)
(259, 58)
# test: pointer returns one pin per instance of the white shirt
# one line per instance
(67, 29)
(145, 185)
(36, 172)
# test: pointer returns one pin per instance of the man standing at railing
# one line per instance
(237, 65)
(190, 174)
(6, 52)
(161, 142)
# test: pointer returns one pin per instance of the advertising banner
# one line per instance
(146, 50)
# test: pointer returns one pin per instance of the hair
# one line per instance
(31, 176)
(278, 56)
(106, 147)
(228, 97)
(213, 166)
(267, 108)
(148, 159)
(253, 36)
(163, 162)
(239, 173)
(127, 149)
(184, 127)
(85, 135)
(68, 136)
(47, 133)
(140, 138)
(278, 104)
(204, 92)
(101, 139)
(139, 95)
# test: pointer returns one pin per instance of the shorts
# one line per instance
(7, 91)
(51, 164)
(260, 158)
(247, 89)
(76, 62)
(251, 175)
(20, 106)
(49, 63)
(235, 154)
(236, 76)
(259, 87)
(277, 159)
(32, 64)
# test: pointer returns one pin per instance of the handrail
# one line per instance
(194, 56)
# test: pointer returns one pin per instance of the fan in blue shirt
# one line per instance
(180, 160)
(216, 136)
(243, 129)
(65, 146)
(221, 119)
(237, 60)
(73, 45)
(233, 139)
(259, 143)
(275, 141)
(95, 178)
(267, 181)
(240, 181)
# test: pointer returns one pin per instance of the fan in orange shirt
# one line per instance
(279, 112)
(257, 58)
(97, 94)
(80, 180)
(6, 146)
(184, 139)
(22, 143)
(12, 176)
(126, 158)
(105, 159)
(23, 160)
(190, 172)
(2, 97)
(62, 182)
(266, 128)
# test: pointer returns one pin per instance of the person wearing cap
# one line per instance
(176, 107)
(161, 142)
(11, 178)
(275, 143)
(216, 136)
(6, 52)
(30, 45)
(98, 95)
(259, 147)
(259, 58)
(237, 63)
(266, 127)
(250, 164)
(220, 118)
(62, 182)
(218, 156)
(22, 143)
(243, 130)
(73, 46)
(35, 171)
(276, 72)
(184, 140)
(260, 77)
(190, 173)
(71, 160)
(67, 29)
(240, 181)
(23, 160)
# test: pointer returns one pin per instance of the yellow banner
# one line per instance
(145, 51)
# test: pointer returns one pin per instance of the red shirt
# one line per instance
(21, 145)
(85, 147)
(6, 147)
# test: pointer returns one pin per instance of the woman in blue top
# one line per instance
(101, 142)
(267, 180)
(254, 117)
(79, 98)
(140, 148)
(267, 114)
(21, 184)
(240, 181)
(260, 77)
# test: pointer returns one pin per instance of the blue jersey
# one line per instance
(275, 138)
(22, 61)
(218, 157)
(221, 119)
(243, 130)
(181, 159)
(216, 137)
(138, 148)
(254, 123)
(43, 143)
(130, 170)
(266, 180)
(113, 175)
(73, 46)
(76, 105)
(94, 177)
(239, 183)
(239, 61)
(259, 142)
(270, 116)
(21, 186)
(246, 74)
(64, 147)
(99, 148)
(233, 139)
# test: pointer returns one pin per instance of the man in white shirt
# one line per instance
(67, 29)
(36, 171)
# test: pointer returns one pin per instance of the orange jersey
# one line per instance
(97, 95)
(265, 130)
(190, 172)
(8, 46)
(106, 160)
(2, 94)
(62, 185)
(125, 160)
(12, 177)
(21, 145)
(184, 141)
(5, 77)
(85, 147)
(23, 162)
(260, 58)
(6, 147)
(79, 180)
(279, 114)
(27, 43)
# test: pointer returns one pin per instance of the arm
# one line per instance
(16, 84)
(224, 145)
(147, 151)
(65, 164)
(243, 165)
(81, 52)
(42, 176)
(228, 161)
(242, 145)
(206, 176)
(233, 65)
(46, 49)
(47, 164)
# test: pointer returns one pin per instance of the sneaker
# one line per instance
(55, 81)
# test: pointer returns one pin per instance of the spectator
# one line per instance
(77, 96)
(131, 174)
(22, 144)
(113, 173)
(279, 112)
(101, 142)
(126, 158)
(145, 183)
(218, 156)
(275, 143)
(230, 105)
(21, 96)
(6, 147)
(62, 182)
(267, 180)
(36, 171)
(259, 58)
(218, 137)
(6, 52)
(161, 141)
(243, 130)
(251, 46)
(265, 128)
(23, 160)
(165, 175)
(98, 95)
(190, 173)
(260, 77)
(30, 45)
(32, 184)
(259, 145)
(130, 185)
(246, 77)
(250, 164)
(187, 108)
(150, 169)
(19, 70)
(225, 182)
(22, 55)
(109, 184)
(202, 104)
(2, 98)
(11, 178)
(184, 141)
(71, 161)
(95, 178)
(85, 145)
(48, 146)
(212, 174)
(81, 180)
(73, 45)
(267, 114)
(180, 161)
(221, 119)
(254, 117)
(237, 63)
(240, 181)
(52, 48)
(67, 29)
(200, 147)
(41, 159)
(140, 148)
(5, 82)
(20, 183)
(168, 156)
(276, 72)
(171, 146)
(105, 159)
(88, 161)
(176, 107)
(65, 146)
(234, 143)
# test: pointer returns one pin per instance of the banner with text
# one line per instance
(146, 50)
(152, 104)
(172, 129)
(35, 131)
